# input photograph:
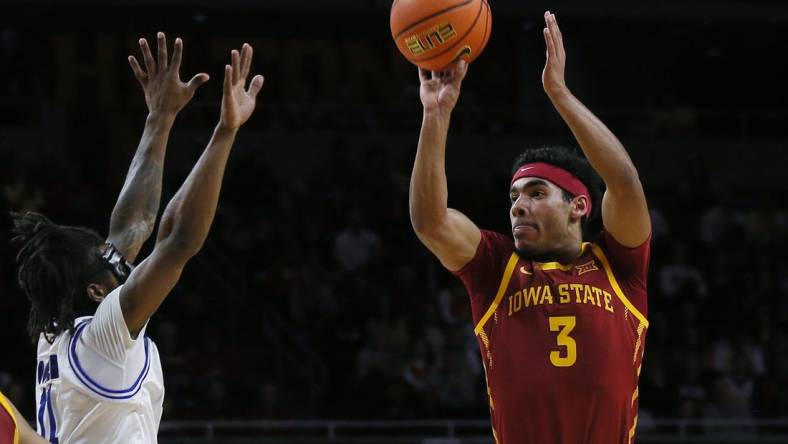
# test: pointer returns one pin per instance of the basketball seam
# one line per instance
(487, 27)
(486, 33)
(459, 40)
(413, 25)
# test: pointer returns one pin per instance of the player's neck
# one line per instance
(569, 252)
(563, 254)
(570, 249)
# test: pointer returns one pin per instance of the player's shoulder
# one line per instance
(621, 259)
(49, 344)
(493, 252)
(494, 248)
(497, 242)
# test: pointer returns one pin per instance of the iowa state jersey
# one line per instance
(562, 344)
(9, 433)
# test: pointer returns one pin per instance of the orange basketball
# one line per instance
(435, 33)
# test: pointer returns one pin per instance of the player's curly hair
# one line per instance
(54, 266)
(571, 160)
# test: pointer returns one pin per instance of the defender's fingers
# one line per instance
(162, 50)
(256, 85)
(138, 73)
(197, 81)
(177, 54)
(228, 79)
(246, 60)
(150, 64)
(235, 59)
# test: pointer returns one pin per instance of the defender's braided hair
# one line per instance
(54, 263)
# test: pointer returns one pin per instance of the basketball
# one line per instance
(435, 33)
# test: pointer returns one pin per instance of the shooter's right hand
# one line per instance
(440, 89)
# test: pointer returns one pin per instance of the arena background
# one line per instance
(276, 334)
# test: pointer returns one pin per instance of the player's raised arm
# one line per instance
(188, 216)
(449, 234)
(624, 211)
(134, 215)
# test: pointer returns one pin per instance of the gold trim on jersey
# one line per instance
(616, 288)
(486, 342)
(479, 329)
(632, 430)
(641, 327)
(490, 400)
(6, 404)
(559, 266)
(507, 275)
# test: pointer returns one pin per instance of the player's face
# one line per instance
(540, 217)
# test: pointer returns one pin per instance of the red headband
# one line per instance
(558, 176)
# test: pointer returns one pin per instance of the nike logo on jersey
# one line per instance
(524, 271)
(587, 267)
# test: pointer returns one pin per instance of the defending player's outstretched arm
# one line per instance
(134, 215)
(188, 216)
(449, 234)
(624, 211)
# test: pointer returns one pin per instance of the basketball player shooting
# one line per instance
(99, 379)
(560, 322)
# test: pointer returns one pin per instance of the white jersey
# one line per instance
(99, 385)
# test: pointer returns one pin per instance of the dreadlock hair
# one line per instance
(574, 162)
(53, 266)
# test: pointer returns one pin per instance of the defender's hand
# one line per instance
(239, 103)
(553, 74)
(164, 91)
(440, 90)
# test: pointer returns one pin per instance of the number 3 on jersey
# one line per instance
(563, 325)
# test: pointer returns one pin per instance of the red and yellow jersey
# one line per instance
(9, 433)
(562, 345)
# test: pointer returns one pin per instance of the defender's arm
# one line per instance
(134, 215)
